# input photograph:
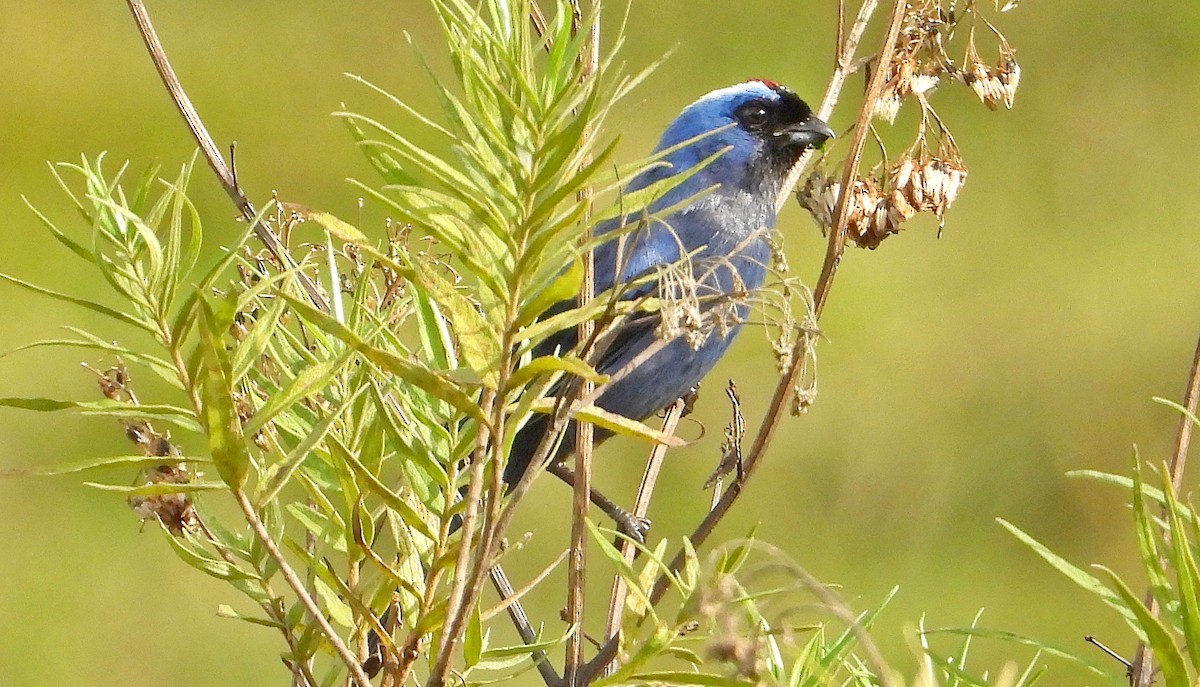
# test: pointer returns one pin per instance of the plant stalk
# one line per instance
(293, 580)
(1141, 673)
(584, 444)
(212, 154)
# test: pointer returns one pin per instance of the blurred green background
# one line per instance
(961, 377)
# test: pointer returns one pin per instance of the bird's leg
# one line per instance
(634, 528)
(689, 401)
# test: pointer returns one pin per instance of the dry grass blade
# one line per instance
(641, 507)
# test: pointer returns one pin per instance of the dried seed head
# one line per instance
(888, 106)
(680, 311)
(1009, 74)
(918, 60)
(927, 182)
(993, 85)
(923, 83)
(819, 196)
(176, 511)
(871, 219)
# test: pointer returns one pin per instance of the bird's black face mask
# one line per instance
(786, 126)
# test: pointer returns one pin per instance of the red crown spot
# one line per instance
(773, 85)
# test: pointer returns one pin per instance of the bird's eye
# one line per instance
(754, 116)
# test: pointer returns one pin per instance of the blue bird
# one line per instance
(760, 129)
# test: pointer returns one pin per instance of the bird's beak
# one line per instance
(809, 133)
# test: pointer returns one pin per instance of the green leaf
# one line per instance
(159, 366)
(339, 611)
(476, 337)
(550, 364)
(225, 611)
(62, 238)
(1146, 529)
(1018, 639)
(616, 423)
(250, 350)
(283, 472)
(564, 287)
(434, 384)
(473, 639)
(226, 442)
(100, 463)
(1073, 573)
(343, 230)
(109, 408)
(309, 381)
(157, 488)
(503, 652)
(82, 302)
(194, 554)
(394, 501)
(1187, 574)
(1171, 662)
(436, 339)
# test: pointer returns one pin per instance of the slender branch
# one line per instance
(577, 562)
(212, 154)
(301, 672)
(616, 602)
(511, 597)
(466, 567)
(538, 18)
(844, 66)
(516, 612)
(297, 585)
(783, 390)
(1141, 673)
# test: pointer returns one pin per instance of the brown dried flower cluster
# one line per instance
(730, 643)
(994, 84)
(175, 510)
(879, 208)
(687, 308)
(921, 60)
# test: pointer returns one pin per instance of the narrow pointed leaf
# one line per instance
(99, 464)
(82, 302)
(432, 383)
(227, 443)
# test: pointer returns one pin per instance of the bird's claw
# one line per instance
(632, 527)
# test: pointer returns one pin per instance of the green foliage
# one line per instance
(347, 430)
(347, 435)
(1167, 546)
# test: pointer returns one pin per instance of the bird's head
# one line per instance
(764, 126)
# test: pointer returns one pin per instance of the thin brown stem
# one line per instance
(301, 672)
(783, 390)
(616, 602)
(538, 18)
(510, 602)
(1141, 673)
(213, 155)
(577, 561)
(844, 65)
(458, 604)
(293, 580)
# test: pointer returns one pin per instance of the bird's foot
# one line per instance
(630, 525)
(689, 400)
